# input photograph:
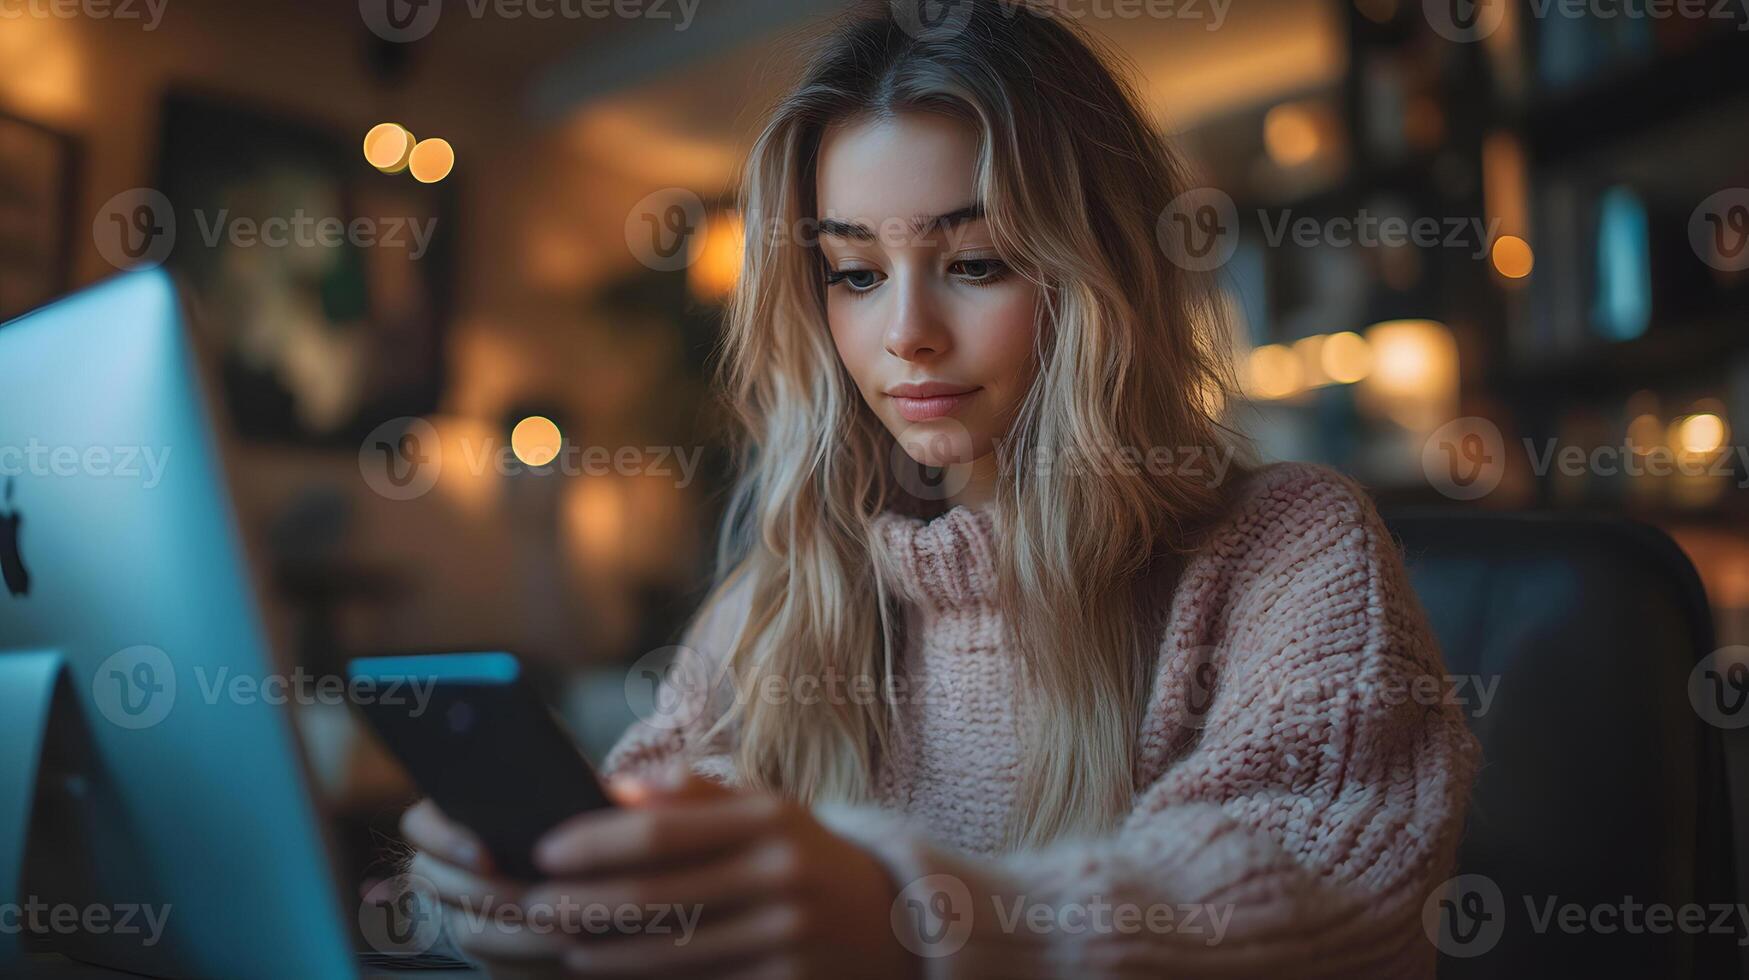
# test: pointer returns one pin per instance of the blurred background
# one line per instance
(1479, 255)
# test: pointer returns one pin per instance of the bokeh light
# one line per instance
(1346, 357)
(387, 147)
(1513, 257)
(536, 440)
(432, 160)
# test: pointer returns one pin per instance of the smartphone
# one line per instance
(477, 739)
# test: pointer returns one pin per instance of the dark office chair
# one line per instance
(1599, 781)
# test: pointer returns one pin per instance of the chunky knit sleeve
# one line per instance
(1301, 787)
(674, 726)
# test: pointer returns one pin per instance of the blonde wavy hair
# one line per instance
(1072, 179)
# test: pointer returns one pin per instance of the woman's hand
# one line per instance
(480, 909)
(687, 879)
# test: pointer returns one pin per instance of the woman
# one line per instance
(1094, 700)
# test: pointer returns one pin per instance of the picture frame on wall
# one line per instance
(321, 337)
(38, 188)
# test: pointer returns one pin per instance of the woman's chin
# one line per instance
(938, 442)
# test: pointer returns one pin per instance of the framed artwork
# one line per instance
(324, 284)
(38, 184)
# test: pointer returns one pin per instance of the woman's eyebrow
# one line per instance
(919, 226)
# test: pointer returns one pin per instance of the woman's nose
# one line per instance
(917, 331)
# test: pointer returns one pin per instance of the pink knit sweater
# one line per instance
(1298, 794)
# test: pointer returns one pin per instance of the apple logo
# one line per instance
(11, 559)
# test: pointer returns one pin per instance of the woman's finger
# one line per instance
(503, 939)
(606, 841)
(680, 896)
(426, 828)
(757, 932)
(463, 888)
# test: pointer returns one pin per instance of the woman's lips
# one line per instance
(920, 403)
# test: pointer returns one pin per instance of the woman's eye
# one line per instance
(978, 271)
(859, 280)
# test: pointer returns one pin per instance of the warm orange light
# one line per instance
(1310, 352)
(1345, 357)
(535, 440)
(1698, 434)
(1407, 354)
(716, 263)
(1273, 371)
(44, 67)
(1414, 377)
(1645, 433)
(1290, 134)
(431, 160)
(1512, 257)
(1505, 183)
(387, 146)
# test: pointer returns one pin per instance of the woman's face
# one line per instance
(935, 328)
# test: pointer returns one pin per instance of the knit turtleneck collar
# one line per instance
(946, 562)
